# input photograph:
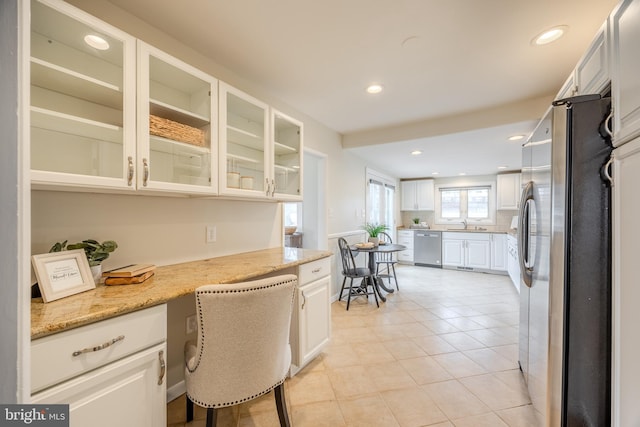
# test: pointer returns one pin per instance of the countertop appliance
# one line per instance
(564, 246)
(427, 248)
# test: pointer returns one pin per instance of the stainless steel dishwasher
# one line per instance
(427, 248)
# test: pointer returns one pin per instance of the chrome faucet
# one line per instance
(464, 222)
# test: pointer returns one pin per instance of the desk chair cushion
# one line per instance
(242, 351)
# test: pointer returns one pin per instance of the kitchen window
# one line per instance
(473, 204)
(380, 200)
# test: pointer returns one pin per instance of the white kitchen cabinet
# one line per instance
(112, 372)
(508, 191)
(513, 265)
(417, 195)
(626, 292)
(311, 318)
(124, 393)
(625, 86)
(568, 88)
(286, 145)
(466, 251)
(499, 252)
(244, 137)
(260, 149)
(177, 125)
(592, 73)
(82, 100)
(405, 237)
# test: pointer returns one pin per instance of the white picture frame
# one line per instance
(62, 274)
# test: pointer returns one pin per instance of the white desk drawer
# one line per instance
(58, 357)
(314, 270)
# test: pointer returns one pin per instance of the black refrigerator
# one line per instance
(564, 245)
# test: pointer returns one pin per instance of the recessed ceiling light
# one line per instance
(416, 152)
(462, 173)
(435, 173)
(516, 137)
(96, 42)
(550, 35)
(375, 88)
(502, 167)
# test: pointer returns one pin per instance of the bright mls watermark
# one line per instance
(34, 415)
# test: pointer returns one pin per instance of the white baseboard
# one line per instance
(176, 391)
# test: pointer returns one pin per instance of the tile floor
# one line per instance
(441, 352)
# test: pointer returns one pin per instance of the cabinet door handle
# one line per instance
(98, 347)
(606, 171)
(304, 300)
(267, 187)
(130, 172)
(273, 187)
(145, 174)
(163, 366)
(608, 124)
(317, 270)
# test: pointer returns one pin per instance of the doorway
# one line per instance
(314, 212)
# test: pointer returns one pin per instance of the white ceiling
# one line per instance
(439, 61)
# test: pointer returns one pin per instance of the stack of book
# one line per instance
(128, 275)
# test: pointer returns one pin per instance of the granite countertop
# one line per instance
(169, 282)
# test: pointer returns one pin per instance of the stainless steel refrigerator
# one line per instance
(564, 246)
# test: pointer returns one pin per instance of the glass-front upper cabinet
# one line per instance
(244, 145)
(82, 111)
(177, 124)
(287, 157)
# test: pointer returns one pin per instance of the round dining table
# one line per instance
(378, 283)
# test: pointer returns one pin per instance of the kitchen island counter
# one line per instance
(169, 282)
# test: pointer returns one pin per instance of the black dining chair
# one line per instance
(351, 271)
(388, 260)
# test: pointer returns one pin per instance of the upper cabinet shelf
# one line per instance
(160, 109)
(54, 77)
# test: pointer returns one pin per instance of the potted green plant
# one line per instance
(373, 230)
(95, 252)
(416, 221)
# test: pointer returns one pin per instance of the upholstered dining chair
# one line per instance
(387, 259)
(351, 271)
(242, 350)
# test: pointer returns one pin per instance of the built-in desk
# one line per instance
(108, 347)
(169, 282)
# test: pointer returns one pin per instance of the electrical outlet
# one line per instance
(210, 233)
(192, 326)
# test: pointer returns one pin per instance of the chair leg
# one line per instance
(189, 409)
(393, 267)
(212, 416)
(349, 296)
(344, 280)
(373, 289)
(281, 404)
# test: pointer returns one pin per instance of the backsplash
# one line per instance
(503, 219)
